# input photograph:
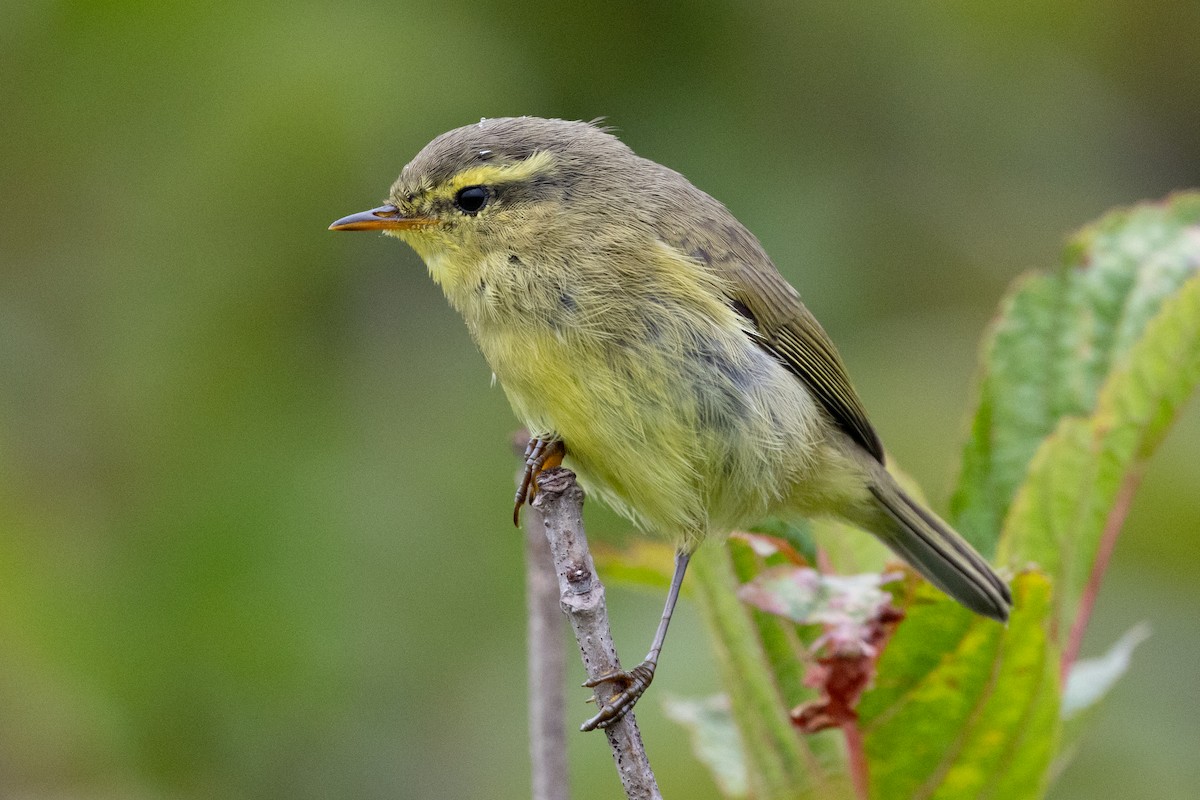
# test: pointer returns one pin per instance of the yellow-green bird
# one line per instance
(637, 326)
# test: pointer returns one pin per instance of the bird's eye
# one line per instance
(471, 199)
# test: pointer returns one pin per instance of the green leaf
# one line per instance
(1082, 478)
(1057, 339)
(715, 740)
(964, 707)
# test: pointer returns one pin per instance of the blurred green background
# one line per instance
(254, 485)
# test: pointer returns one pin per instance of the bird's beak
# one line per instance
(384, 218)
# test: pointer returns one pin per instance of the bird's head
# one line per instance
(507, 189)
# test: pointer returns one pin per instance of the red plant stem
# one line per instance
(858, 760)
(824, 565)
(1108, 543)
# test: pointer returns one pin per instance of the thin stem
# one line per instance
(581, 595)
(857, 758)
(547, 667)
(1108, 543)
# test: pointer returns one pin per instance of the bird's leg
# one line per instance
(540, 455)
(632, 684)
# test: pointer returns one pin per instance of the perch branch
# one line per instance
(560, 501)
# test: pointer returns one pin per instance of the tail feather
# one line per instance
(935, 550)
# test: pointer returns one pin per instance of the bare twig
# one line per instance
(581, 594)
(547, 667)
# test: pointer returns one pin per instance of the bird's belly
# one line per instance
(684, 435)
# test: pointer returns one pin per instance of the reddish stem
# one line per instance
(824, 565)
(1108, 543)
(858, 760)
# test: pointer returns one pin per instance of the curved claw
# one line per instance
(633, 685)
(540, 455)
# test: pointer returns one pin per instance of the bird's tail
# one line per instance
(936, 551)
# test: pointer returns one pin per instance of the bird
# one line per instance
(640, 331)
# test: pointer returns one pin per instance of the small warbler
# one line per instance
(641, 330)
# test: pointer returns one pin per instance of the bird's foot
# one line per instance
(630, 686)
(540, 455)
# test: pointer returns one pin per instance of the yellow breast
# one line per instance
(677, 424)
(667, 407)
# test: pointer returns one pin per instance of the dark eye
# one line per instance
(471, 199)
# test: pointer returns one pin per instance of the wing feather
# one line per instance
(781, 324)
(785, 328)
